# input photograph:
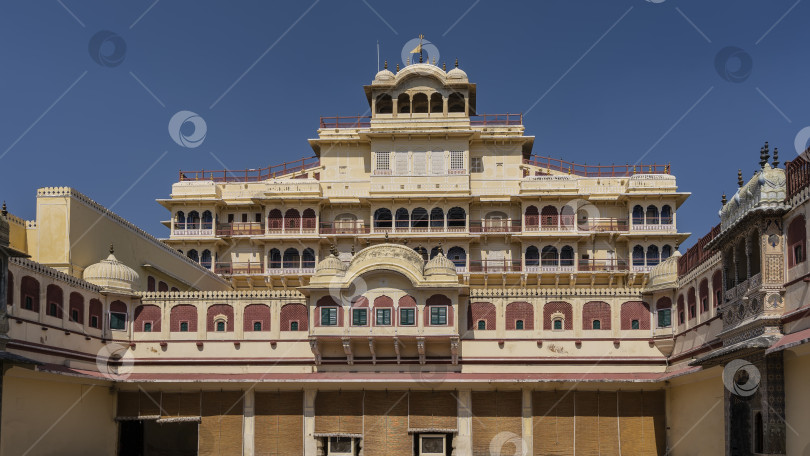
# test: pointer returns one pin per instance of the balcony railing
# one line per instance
(486, 120)
(308, 268)
(595, 171)
(300, 225)
(344, 228)
(346, 122)
(602, 224)
(565, 266)
(240, 229)
(550, 223)
(602, 265)
(487, 266)
(193, 229)
(421, 226)
(797, 174)
(251, 175)
(239, 268)
(495, 226)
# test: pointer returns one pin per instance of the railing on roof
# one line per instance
(560, 165)
(477, 120)
(251, 175)
(346, 122)
(697, 254)
(798, 176)
(496, 119)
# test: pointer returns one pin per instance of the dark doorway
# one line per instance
(150, 438)
(740, 426)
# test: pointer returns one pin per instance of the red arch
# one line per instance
(295, 312)
(147, 313)
(478, 311)
(636, 310)
(180, 313)
(76, 302)
(54, 298)
(520, 311)
(219, 309)
(558, 306)
(596, 310)
(256, 313)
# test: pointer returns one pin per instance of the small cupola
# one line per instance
(111, 274)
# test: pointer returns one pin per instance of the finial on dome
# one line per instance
(385, 65)
(112, 249)
(420, 57)
(724, 199)
(408, 61)
(456, 62)
(333, 250)
(5, 212)
(764, 155)
(444, 66)
(439, 248)
(397, 67)
(739, 178)
(386, 236)
(405, 241)
(352, 249)
(434, 60)
(775, 157)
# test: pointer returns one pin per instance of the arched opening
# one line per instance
(549, 256)
(548, 217)
(458, 256)
(652, 215)
(567, 256)
(496, 220)
(274, 220)
(455, 102)
(531, 217)
(666, 214)
(345, 223)
(652, 255)
(402, 218)
(404, 103)
(532, 256)
(308, 219)
(419, 218)
(422, 252)
(796, 240)
(292, 219)
(291, 258)
(759, 433)
(437, 219)
(420, 103)
(193, 221)
(567, 217)
(382, 218)
(436, 103)
(456, 218)
(638, 215)
(180, 220)
(205, 259)
(638, 256)
(275, 258)
(433, 252)
(384, 104)
(308, 258)
(207, 220)
(666, 252)
(741, 260)
(755, 260)
(193, 255)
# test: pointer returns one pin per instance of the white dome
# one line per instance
(111, 273)
(330, 265)
(456, 74)
(384, 75)
(440, 264)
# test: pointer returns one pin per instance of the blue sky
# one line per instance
(599, 82)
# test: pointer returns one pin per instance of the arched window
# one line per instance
(182, 318)
(420, 103)
(294, 317)
(275, 258)
(256, 317)
(717, 287)
(567, 256)
(382, 218)
(557, 310)
(29, 294)
(456, 218)
(638, 256)
(482, 324)
(703, 295)
(754, 258)
(419, 218)
(636, 314)
(558, 324)
(481, 315)
(455, 102)
(402, 218)
(275, 220)
(548, 256)
(308, 219)
(384, 104)
(741, 263)
(180, 220)
(220, 318)
(532, 256)
(205, 259)
(54, 300)
(291, 258)
(519, 315)
(207, 220)
(433, 252)
(666, 252)
(666, 215)
(596, 324)
(308, 258)
(548, 217)
(567, 217)
(531, 217)
(436, 103)
(292, 219)
(458, 256)
(193, 220)
(797, 240)
(596, 315)
(652, 255)
(404, 103)
(193, 255)
(638, 215)
(221, 326)
(652, 215)
(150, 283)
(437, 218)
(422, 251)
(496, 220)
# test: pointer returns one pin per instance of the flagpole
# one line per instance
(378, 56)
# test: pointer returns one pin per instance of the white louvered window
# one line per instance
(419, 163)
(401, 163)
(383, 163)
(456, 159)
(437, 163)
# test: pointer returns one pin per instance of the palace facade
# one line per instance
(424, 284)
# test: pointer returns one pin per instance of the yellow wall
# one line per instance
(797, 398)
(45, 414)
(695, 414)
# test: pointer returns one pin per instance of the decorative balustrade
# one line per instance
(607, 265)
(198, 229)
(341, 227)
(252, 175)
(239, 268)
(594, 171)
(240, 229)
(567, 266)
(550, 223)
(488, 266)
(307, 269)
(421, 226)
(495, 226)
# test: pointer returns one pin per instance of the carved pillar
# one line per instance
(528, 424)
(772, 404)
(747, 241)
(462, 443)
(248, 423)
(310, 442)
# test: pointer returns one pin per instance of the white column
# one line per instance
(310, 444)
(463, 442)
(528, 424)
(248, 425)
